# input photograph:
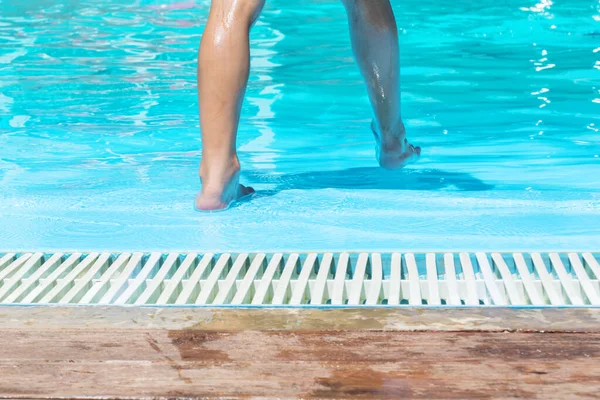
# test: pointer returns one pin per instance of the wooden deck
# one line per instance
(133, 353)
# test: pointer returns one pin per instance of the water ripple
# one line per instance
(98, 112)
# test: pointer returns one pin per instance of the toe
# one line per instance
(412, 154)
(414, 150)
(245, 190)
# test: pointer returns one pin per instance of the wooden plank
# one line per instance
(151, 363)
(498, 319)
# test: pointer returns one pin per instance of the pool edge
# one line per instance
(259, 319)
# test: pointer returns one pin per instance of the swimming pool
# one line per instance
(100, 140)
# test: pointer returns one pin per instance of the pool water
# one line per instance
(100, 143)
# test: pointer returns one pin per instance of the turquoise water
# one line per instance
(100, 143)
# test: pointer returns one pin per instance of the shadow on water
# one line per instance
(372, 178)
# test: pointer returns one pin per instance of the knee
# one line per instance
(249, 10)
(246, 11)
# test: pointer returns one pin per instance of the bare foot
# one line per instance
(218, 192)
(395, 152)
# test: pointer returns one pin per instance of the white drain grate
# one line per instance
(294, 279)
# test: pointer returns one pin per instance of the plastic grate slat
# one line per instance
(295, 279)
(451, 281)
(471, 298)
(244, 291)
(319, 291)
(433, 288)
(414, 282)
(528, 280)
(395, 290)
(339, 283)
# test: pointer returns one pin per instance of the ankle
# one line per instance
(393, 129)
(391, 135)
(215, 173)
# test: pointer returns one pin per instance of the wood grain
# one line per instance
(326, 364)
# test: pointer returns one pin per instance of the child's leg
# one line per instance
(375, 42)
(223, 67)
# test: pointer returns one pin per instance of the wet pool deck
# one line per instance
(146, 353)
